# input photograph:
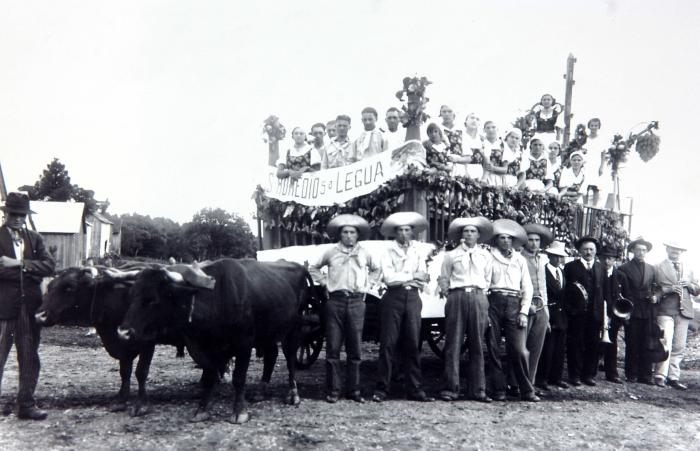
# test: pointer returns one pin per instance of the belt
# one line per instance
(505, 292)
(402, 288)
(346, 294)
(469, 289)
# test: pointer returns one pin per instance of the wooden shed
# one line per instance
(61, 224)
(98, 235)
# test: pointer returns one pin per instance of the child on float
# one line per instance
(436, 154)
(299, 158)
(497, 159)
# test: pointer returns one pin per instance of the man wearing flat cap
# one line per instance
(538, 236)
(638, 281)
(612, 291)
(464, 278)
(509, 304)
(678, 284)
(584, 306)
(404, 272)
(24, 262)
(551, 365)
(351, 272)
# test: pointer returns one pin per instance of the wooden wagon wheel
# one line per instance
(434, 335)
(312, 330)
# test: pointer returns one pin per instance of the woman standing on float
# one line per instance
(473, 147)
(549, 120)
(300, 158)
(496, 160)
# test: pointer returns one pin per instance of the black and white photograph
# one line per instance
(323, 225)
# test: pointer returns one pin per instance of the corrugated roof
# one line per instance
(58, 217)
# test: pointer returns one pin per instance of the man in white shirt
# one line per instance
(394, 135)
(338, 152)
(509, 304)
(464, 279)
(404, 272)
(371, 141)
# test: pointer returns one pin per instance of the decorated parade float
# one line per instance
(292, 214)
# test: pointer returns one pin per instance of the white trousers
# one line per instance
(675, 334)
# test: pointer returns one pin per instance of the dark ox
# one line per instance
(253, 304)
(88, 297)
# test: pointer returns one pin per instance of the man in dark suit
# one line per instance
(612, 290)
(638, 282)
(551, 366)
(584, 306)
(24, 262)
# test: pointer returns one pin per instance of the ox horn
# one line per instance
(121, 275)
(92, 271)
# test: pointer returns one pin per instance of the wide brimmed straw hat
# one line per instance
(546, 236)
(638, 240)
(510, 228)
(557, 248)
(403, 218)
(482, 224)
(586, 239)
(676, 245)
(336, 224)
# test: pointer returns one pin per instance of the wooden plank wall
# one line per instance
(69, 248)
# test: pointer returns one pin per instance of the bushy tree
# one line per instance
(215, 233)
(54, 185)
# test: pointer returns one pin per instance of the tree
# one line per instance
(215, 233)
(54, 185)
(141, 237)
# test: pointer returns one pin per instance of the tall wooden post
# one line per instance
(569, 77)
(274, 152)
(3, 188)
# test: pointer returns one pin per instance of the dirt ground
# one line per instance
(78, 378)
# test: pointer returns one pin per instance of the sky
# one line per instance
(158, 105)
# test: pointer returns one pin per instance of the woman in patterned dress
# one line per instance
(535, 172)
(514, 145)
(573, 178)
(435, 150)
(496, 160)
(548, 118)
(300, 158)
(473, 147)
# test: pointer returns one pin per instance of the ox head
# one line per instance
(160, 299)
(68, 297)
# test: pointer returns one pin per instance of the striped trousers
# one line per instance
(24, 333)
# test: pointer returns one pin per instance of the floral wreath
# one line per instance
(273, 131)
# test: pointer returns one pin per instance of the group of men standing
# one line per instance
(518, 296)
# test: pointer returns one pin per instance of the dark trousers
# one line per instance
(503, 316)
(344, 320)
(400, 322)
(610, 350)
(25, 334)
(466, 313)
(583, 338)
(637, 364)
(551, 366)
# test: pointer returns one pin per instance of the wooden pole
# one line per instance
(569, 77)
(274, 152)
(3, 188)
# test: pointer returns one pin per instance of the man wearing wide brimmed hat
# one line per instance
(538, 236)
(584, 307)
(509, 304)
(551, 365)
(464, 278)
(24, 262)
(612, 291)
(638, 280)
(404, 272)
(351, 272)
(678, 285)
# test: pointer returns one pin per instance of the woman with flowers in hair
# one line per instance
(473, 147)
(300, 158)
(496, 160)
(548, 117)
(436, 150)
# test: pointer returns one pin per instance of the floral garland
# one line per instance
(273, 130)
(460, 196)
(414, 109)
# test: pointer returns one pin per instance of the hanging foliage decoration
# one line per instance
(445, 195)
(273, 130)
(414, 109)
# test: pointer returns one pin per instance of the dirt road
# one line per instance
(78, 378)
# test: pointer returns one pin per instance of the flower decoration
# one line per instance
(414, 109)
(617, 153)
(273, 130)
